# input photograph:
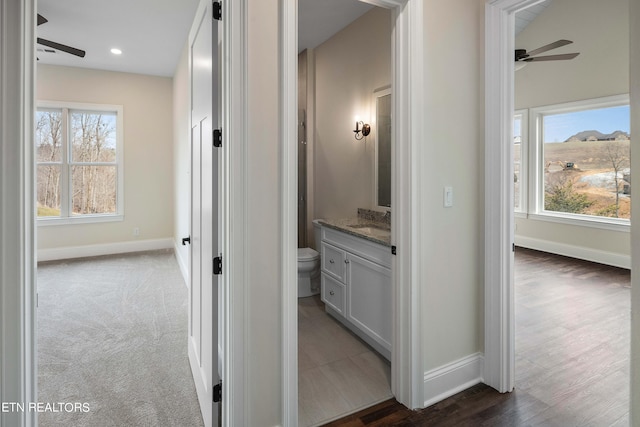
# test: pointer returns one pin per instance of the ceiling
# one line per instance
(318, 20)
(528, 15)
(152, 33)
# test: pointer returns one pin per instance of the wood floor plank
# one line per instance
(572, 360)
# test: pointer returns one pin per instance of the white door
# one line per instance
(203, 290)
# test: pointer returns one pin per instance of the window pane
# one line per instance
(517, 158)
(586, 162)
(48, 136)
(93, 137)
(94, 189)
(48, 190)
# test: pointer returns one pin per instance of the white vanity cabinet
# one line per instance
(356, 286)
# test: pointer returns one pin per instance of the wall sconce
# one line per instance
(361, 133)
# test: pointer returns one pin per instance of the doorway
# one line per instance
(499, 218)
(333, 352)
(406, 364)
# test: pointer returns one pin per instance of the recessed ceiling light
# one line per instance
(116, 51)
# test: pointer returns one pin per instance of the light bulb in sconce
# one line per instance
(362, 129)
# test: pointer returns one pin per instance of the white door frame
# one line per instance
(18, 361)
(408, 111)
(499, 322)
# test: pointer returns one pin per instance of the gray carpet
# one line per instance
(112, 333)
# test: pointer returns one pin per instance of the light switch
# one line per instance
(448, 197)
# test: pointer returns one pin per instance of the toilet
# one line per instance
(309, 267)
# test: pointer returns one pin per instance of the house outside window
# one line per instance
(78, 163)
(581, 158)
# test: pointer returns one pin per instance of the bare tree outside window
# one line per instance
(49, 157)
(93, 149)
(586, 161)
(77, 162)
(618, 155)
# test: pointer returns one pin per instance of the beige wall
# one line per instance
(182, 159)
(148, 169)
(449, 240)
(600, 31)
(635, 228)
(263, 230)
(348, 68)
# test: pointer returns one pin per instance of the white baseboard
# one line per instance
(69, 252)
(452, 378)
(182, 263)
(580, 252)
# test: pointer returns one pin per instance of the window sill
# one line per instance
(613, 224)
(84, 219)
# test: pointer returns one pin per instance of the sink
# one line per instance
(370, 229)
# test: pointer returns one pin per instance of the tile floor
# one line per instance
(338, 373)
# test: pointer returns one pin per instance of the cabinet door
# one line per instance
(369, 304)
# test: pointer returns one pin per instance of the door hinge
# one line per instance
(513, 247)
(393, 250)
(217, 265)
(217, 392)
(217, 10)
(217, 138)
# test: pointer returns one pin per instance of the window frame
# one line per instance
(67, 162)
(536, 165)
(523, 209)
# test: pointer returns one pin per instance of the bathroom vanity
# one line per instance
(356, 279)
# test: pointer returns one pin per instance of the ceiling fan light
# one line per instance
(116, 51)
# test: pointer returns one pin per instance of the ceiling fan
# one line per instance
(58, 46)
(523, 57)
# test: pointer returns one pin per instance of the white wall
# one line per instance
(148, 168)
(182, 160)
(600, 31)
(348, 68)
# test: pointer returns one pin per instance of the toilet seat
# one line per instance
(307, 254)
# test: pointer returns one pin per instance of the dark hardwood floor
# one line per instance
(572, 355)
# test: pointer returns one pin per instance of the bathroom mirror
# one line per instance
(382, 181)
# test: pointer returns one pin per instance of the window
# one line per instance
(583, 160)
(78, 163)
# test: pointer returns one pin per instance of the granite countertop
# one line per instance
(377, 232)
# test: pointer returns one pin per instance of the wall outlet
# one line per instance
(136, 232)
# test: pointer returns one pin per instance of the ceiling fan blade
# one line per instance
(42, 20)
(62, 47)
(550, 46)
(560, 57)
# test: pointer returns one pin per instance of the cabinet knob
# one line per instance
(346, 261)
(331, 261)
(331, 293)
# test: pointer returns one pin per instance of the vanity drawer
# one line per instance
(333, 261)
(333, 293)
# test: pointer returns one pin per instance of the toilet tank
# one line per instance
(317, 234)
